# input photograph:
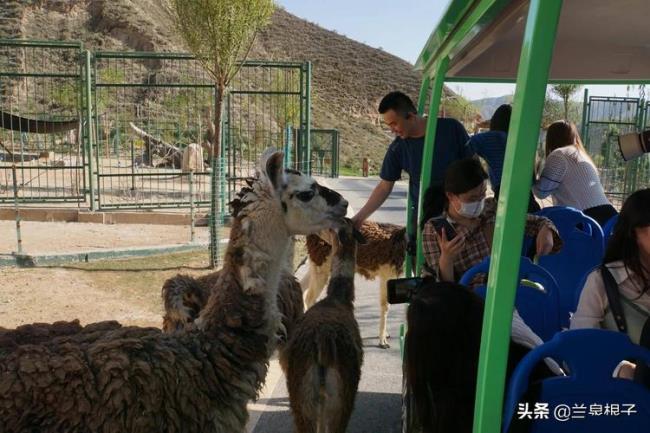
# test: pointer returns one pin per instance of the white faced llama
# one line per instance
(382, 256)
(129, 379)
(322, 359)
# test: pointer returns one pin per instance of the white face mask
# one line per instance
(472, 209)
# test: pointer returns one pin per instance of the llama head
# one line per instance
(307, 207)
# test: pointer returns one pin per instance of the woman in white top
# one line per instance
(570, 176)
(628, 261)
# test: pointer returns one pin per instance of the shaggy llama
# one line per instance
(130, 379)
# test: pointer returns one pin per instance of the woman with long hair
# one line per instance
(441, 354)
(627, 259)
(469, 218)
(570, 176)
(626, 266)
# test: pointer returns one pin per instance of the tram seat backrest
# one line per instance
(583, 249)
(590, 356)
(537, 298)
(608, 229)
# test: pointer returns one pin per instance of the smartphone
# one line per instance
(400, 290)
(440, 223)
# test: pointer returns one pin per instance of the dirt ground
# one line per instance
(62, 237)
(125, 290)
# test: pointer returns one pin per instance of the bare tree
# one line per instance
(220, 34)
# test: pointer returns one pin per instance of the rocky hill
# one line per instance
(349, 78)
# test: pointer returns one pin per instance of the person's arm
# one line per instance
(439, 253)
(431, 248)
(376, 199)
(552, 175)
(547, 238)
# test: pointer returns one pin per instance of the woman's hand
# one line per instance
(450, 248)
(625, 370)
(544, 243)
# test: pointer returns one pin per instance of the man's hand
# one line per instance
(544, 242)
(357, 221)
(376, 199)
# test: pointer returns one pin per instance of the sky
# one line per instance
(401, 27)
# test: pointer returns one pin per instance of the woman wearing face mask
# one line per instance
(462, 236)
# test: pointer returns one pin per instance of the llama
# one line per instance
(322, 359)
(441, 357)
(131, 379)
(184, 297)
(382, 256)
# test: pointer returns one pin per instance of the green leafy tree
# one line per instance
(565, 92)
(220, 34)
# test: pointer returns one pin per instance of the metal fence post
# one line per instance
(19, 239)
(191, 180)
(89, 131)
(308, 120)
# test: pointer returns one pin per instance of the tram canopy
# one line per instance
(597, 41)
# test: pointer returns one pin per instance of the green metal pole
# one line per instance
(427, 155)
(424, 89)
(308, 119)
(532, 76)
(89, 131)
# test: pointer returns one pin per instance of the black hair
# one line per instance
(441, 354)
(398, 102)
(623, 245)
(501, 118)
(461, 176)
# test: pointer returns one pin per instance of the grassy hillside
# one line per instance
(349, 78)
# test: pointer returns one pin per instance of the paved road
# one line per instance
(378, 404)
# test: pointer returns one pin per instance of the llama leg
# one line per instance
(383, 311)
(318, 276)
(302, 424)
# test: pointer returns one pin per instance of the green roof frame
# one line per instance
(464, 26)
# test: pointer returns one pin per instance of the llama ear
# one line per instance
(272, 167)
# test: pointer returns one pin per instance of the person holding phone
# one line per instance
(461, 236)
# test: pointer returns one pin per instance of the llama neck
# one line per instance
(341, 285)
(246, 298)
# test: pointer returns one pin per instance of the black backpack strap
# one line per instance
(613, 298)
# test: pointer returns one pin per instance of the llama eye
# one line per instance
(305, 195)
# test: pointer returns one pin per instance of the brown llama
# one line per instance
(184, 297)
(322, 359)
(130, 379)
(382, 256)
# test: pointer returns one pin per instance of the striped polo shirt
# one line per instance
(571, 178)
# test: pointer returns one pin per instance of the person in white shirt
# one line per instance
(627, 259)
(570, 176)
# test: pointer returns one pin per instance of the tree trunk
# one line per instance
(566, 107)
(215, 176)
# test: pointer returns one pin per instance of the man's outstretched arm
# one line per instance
(376, 199)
